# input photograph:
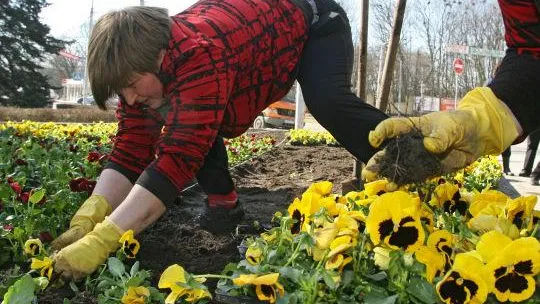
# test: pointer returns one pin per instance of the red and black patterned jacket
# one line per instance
(522, 23)
(227, 60)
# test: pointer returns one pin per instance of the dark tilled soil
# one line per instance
(266, 184)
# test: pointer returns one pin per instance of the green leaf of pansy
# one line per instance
(37, 196)
(116, 267)
(379, 276)
(378, 298)
(291, 273)
(134, 268)
(22, 292)
(422, 290)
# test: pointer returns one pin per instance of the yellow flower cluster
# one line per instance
(310, 137)
(51, 129)
(466, 265)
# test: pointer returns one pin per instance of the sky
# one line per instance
(65, 17)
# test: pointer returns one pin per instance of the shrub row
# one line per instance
(82, 114)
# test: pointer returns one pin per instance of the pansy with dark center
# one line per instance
(402, 236)
(442, 242)
(464, 282)
(511, 265)
(298, 221)
(521, 210)
(514, 282)
(130, 246)
(267, 286)
(455, 289)
(455, 204)
(33, 247)
(394, 219)
(299, 211)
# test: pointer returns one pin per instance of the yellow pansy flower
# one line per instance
(448, 197)
(485, 199)
(254, 254)
(321, 188)
(130, 245)
(442, 241)
(174, 278)
(300, 211)
(377, 187)
(33, 247)
(267, 286)
(45, 266)
(136, 295)
(483, 223)
(511, 265)
(394, 219)
(435, 261)
(464, 283)
(520, 210)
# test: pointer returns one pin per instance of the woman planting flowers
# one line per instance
(185, 88)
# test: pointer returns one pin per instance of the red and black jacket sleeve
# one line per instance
(138, 131)
(198, 98)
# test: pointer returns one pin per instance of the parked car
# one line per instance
(280, 114)
(86, 100)
(89, 101)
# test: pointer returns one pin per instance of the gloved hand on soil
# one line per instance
(481, 125)
(85, 255)
(91, 212)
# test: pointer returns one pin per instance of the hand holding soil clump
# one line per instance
(405, 160)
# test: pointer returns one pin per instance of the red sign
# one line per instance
(458, 65)
(447, 104)
(68, 55)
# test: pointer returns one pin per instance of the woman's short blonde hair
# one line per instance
(124, 43)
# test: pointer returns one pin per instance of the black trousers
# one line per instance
(324, 74)
(325, 77)
(532, 146)
(214, 176)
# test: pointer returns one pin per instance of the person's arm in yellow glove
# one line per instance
(111, 189)
(136, 212)
(481, 125)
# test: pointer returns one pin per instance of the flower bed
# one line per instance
(46, 172)
(413, 244)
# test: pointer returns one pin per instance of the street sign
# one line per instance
(458, 65)
(486, 52)
(474, 51)
(456, 48)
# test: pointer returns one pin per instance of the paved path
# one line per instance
(521, 184)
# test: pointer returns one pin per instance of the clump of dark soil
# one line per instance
(265, 184)
(407, 161)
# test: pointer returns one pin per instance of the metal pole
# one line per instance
(455, 96)
(300, 108)
(142, 3)
(362, 72)
(85, 79)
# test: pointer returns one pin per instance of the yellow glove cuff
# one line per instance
(497, 126)
(91, 212)
(109, 234)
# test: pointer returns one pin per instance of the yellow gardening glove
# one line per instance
(91, 212)
(85, 255)
(481, 125)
